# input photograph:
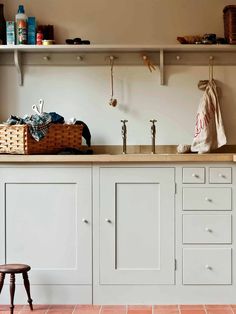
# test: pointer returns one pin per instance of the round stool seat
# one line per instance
(14, 268)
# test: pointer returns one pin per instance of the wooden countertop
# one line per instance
(118, 158)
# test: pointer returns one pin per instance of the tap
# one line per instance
(124, 134)
(153, 132)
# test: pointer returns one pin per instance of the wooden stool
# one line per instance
(13, 269)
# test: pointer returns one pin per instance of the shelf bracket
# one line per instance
(162, 75)
(17, 61)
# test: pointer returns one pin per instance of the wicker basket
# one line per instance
(16, 139)
(230, 23)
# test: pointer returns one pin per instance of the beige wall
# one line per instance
(84, 92)
(126, 21)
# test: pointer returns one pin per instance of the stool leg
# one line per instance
(2, 277)
(27, 288)
(12, 291)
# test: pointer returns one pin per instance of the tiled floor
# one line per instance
(122, 309)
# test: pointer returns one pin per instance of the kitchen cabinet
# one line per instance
(207, 229)
(156, 239)
(204, 266)
(207, 198)
(193, 175)
(137, 225)
(220, 175)
(48, 224)
(163, 233)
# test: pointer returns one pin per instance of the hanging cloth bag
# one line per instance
(209, 129)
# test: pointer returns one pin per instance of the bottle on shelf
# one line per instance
(2, 26)
(11, 35)
(21, 26)
(39, 36)
(31, 30)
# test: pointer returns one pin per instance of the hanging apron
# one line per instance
(209, 129)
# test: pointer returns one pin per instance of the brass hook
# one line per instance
(211, 68)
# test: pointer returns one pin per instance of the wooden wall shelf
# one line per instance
(126, 55)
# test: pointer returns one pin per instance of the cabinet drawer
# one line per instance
(207, 266)
(207, 229)
(207, 198)
(220, 175)
(193, 175)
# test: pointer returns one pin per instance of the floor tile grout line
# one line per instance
(74, 309)
(179, 309)
(100, 310)
(101, 307)
(21, 309)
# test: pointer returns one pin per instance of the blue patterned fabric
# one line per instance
(13, 120)
(38, 124)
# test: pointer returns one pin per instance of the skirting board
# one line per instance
(50, 294)
(164, 294)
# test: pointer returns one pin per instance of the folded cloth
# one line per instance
(56, 118)
(75, 151)
(38, 125)
(13, 120)
(86, 133)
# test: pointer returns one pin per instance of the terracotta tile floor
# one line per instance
(122, 309)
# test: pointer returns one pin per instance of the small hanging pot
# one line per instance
(113, 101)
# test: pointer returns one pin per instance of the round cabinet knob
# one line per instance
(207, 199)
(194, 175)
(108, 220)
(221, 175)
(208, 229)
(85, 221)
(208, 267)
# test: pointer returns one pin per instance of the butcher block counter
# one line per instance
(135, 153)
(119, 158)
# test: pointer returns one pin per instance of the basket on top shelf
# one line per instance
(230, 23)
(16, 139)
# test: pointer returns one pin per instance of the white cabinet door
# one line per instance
(137, 226)
(193, 175)
(205, 198)
(207, 229)
(207, 266)
(48, 222)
